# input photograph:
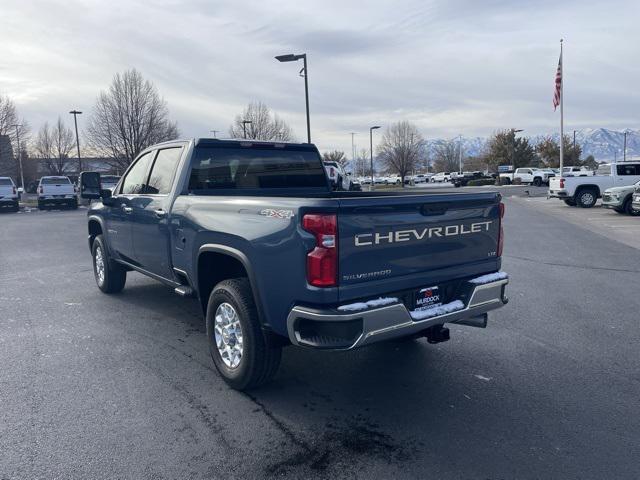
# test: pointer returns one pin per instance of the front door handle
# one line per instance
(160, 213)
(126, 209)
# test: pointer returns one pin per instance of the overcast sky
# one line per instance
(452, 67)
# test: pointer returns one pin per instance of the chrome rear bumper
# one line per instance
(348, 330)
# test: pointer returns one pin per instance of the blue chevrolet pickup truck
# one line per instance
(276, 257)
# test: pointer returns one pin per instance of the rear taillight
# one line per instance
(322, 261)
(501, 231)
(562, 183)
(14, 191)
(41, 190)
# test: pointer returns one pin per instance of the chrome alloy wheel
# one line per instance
(99, 263)
(228, 332)
(587, 198)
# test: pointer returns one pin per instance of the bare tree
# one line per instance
(263, 126)
(400, 148)
(53, 145)
(446, 156)
(9, 137)
(336, 156)
(129, 117)
(363, 163)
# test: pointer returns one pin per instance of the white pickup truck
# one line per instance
(585, 191)
(56, 191)
(8, 194)
(534, 176)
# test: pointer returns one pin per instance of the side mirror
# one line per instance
(90, 185)
(107, 199)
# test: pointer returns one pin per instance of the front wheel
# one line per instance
(570, 202)
(110, 276)
(628, 208)
(240, 351)
(537, 182)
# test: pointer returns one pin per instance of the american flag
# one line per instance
(557, 90)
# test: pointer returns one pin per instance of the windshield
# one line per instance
(54, 180)
(258, 167)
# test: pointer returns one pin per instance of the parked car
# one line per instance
(221, 219)
(338, 177)
(528, 175)
(466, 177)
(620, 199)
(585, 191)
(56, 191)
(441, 177)
(421, 178)
(9, 198)
(109, 181)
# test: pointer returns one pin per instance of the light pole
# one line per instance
(460, 154)
(371, 152)
(513, 145)
(17, 126)
(294, 58)
(625, 147)
(216, 131)
(244, 127)
(353, 153)
(75, 114)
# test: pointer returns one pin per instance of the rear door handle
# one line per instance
(126, 209)
(160, 213)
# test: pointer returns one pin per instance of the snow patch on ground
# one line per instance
(437, 311)
(378, 302)
(490, 277)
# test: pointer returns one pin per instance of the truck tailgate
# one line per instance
(408, 235)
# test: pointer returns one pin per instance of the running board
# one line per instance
(184, 291)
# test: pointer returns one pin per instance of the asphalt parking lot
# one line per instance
(97, 386)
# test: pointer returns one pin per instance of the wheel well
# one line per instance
(94, 230)
(214, 267)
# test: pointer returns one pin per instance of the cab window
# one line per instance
(163, 170)
(136, 178)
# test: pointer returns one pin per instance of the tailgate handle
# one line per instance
(428, 210)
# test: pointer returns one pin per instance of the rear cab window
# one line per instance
(628, 169)
(55, 180)
(246, 168)
(6, 182)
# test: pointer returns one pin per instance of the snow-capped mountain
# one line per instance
(602, 143)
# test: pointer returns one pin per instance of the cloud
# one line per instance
(450, 66)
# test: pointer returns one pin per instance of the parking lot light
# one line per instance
(371, 152)
(290, 57)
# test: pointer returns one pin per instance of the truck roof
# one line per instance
(237, 141)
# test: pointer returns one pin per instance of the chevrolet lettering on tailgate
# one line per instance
(365, 239)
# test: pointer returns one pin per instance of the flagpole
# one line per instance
(561, 109)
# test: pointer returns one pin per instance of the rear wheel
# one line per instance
(239, 348)
(586, 198)
(110, 276)
(537, 182)
(570, 202)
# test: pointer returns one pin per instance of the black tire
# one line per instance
(570, 202)
(115, 275)
(621, 211)
(260, 359)
(586, 198)
(74, 204)
(507, 181)
(537, 182)
(40, 205)
(628, 208)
